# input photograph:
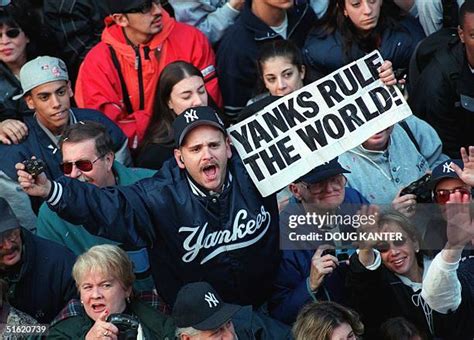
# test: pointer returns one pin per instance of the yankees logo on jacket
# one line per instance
(229, 240)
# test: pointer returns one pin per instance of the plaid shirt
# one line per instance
(75, 308)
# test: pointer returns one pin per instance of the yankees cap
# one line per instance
(444, 170)
(193, 117)
(198, 305)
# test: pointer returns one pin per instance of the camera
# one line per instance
(126, 324)
(341, 254)
(420, 189)
(34, 166)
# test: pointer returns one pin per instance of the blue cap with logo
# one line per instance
(444, 170)
(193, 117)
(198, 305)
(323, 172)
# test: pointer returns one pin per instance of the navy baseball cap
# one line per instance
(444, 170)
(193, 117)
(198, 305)
(323, 172)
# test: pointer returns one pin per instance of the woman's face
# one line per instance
(400, 256)
(101, 292)
(343, 332)
(12, 49)
(189, 92)
(281, 77)
(364, 14)
(379, 141)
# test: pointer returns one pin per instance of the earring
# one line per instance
(82, 302)
(128, 299)
(416, 251)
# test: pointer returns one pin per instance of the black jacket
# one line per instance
(10, 86)
(379, 294)
(436, 98)
(41, 285)
(238, 51)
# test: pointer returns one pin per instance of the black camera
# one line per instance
(34, 166)
(420, 189)
(126, 324)
(341, 254)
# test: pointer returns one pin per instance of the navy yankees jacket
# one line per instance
(230, 240)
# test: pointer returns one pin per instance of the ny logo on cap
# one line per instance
(190, 116)
(447, 168)
(211, 300)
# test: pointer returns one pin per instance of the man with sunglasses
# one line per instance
(46, 91)
(307, 274)
(120, 74)
(87, 152)
(444, 182)
(38, 271)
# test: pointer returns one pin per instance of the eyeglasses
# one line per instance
(337, 182)
(384, 246)
(10, 235)
(145, 8)
(442, 195)
(83, 165)
(12, 33)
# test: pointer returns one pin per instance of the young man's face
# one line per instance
(466, 34)
(204, 154)
(51, 102)
(141, 27)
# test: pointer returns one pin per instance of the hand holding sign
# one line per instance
(313, 125)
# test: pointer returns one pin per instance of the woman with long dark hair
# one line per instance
(181, 86)
(352, 28)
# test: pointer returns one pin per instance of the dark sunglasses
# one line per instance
(442, 195)
(11, 33)
(384, 246)
(145, 8)
(83, 165)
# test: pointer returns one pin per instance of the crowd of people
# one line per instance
(127, 213)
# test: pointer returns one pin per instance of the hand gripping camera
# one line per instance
(419, 188)
(126, 324)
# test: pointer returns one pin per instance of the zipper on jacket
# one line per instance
(138, 67)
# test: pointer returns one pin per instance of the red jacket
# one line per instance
(98, 84)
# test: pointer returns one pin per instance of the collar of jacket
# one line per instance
(262, 31)
(200, 191)
(113, 35)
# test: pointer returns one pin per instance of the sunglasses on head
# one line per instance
(145, 8)
(11, 33)
(384, 246)
(442, 195)
(83, 165)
